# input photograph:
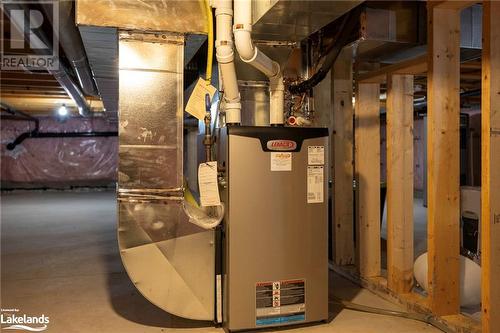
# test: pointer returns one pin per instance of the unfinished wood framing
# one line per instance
(343, 174)
(416, 65)
(367, 171)
(400, 182)
(490, 191)
(413, 302)
(443, 159)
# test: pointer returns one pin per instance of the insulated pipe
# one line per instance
(250, 54)
(225, 57)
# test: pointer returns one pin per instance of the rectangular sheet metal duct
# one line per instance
(181, 16)
(169, 259)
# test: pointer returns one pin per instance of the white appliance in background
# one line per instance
(470, 248)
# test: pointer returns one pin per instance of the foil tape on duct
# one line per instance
(169, 259)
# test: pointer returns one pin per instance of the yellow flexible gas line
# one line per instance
(189, 197)
(210, 53)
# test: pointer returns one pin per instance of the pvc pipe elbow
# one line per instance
(244, 45)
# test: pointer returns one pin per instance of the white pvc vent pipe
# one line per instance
(250, 54)
(225, 57)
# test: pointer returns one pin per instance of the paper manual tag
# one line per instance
(315, 184)
(316, 155)
(207, 182)
(196, 103)
(281, 161)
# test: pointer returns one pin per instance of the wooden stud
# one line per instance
(490, 190)
(443, 159)
(343, 175)
(400, 183)
(452, 4)
(367, 170)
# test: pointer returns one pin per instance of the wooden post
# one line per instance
(490, 190)
(343, 175)
(367, 170)
(443, 159)
(400, 182)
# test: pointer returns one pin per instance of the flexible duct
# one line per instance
(343, 36)
(250, 54)
(225, 57)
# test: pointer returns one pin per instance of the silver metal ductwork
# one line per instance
(71, 42)
(169, 259)
(62, 73)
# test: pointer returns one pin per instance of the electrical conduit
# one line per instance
(250, 54)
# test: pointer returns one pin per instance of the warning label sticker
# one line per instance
(315, 184)
(316, 155)
(279, 302)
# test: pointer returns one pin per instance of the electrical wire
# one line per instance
(210, 51)
(428, 319)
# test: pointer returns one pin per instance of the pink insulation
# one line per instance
(59, 162)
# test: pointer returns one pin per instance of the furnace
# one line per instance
(275, 258)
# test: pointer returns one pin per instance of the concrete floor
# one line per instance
(59, 257)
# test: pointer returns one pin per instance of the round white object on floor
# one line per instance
(470, 279)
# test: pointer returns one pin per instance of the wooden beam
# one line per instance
(400, 183)
(490, 193)
(452, 4)
(367, 171)
(343, 173)
(412, 66)
(471, 65)
(443, 159)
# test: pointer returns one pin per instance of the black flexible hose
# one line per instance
(341, 39)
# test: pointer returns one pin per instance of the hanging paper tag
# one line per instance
(207, 182)
(196, 103)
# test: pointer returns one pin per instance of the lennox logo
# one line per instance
(11, 320)
(282, 145)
